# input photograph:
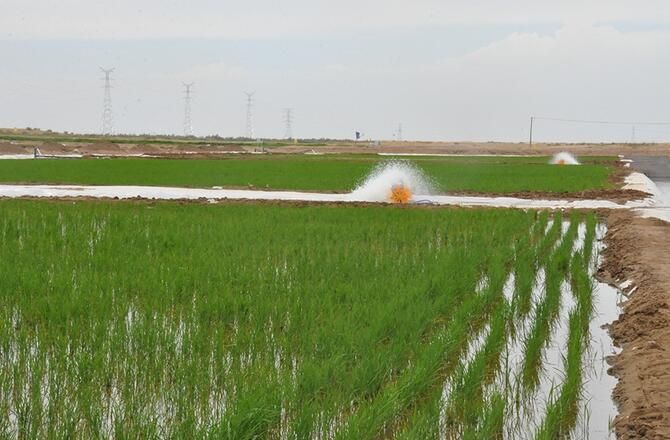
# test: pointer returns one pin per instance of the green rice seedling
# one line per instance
(492, 423)
(562, 413)
(370, 418)
(547, 311)
(551, 237)
(472, 402)
(250, 321)
(166, 320)
(526, 266)
(589, 238)
(312, 173)
(466, 399)
(437, 417)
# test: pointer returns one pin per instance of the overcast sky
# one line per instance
(446, 70)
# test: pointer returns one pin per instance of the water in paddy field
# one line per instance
(596, 407)
(563, 158)
(379, 184)
(595, 421)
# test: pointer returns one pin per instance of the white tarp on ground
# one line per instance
(166, 193)
(640, 182)
(648, 206)
(17, 156)
(661, 210)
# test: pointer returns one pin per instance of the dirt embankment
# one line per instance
(485, 148)
(638, 250)
(463, 148)
(9, 148)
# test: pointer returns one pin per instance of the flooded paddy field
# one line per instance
(160, 320)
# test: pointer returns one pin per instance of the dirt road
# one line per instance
(657, 168)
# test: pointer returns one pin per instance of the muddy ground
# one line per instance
(638, 251)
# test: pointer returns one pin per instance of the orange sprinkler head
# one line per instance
(400, 194)
(561, 162)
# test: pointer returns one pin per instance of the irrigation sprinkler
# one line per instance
(400, 194)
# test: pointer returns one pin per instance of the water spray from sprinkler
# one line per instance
(564, 158)
(393, 182)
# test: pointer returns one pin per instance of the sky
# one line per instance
(446, 70)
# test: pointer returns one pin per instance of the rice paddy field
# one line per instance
(241, 321)
(316, 173)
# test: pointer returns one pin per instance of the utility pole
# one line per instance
(530, 140)
(107, 114)
(250, 115)
(288, 120)
(188, 93)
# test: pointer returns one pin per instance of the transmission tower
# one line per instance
(400, 131)
(288, 120)
(250, 115)
(188, 93)
(107, 114)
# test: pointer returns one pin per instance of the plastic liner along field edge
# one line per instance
(176, 193)
(166, 193)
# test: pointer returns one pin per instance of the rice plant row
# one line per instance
(250, 321)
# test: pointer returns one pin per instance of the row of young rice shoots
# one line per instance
(546, 391)
(234, 321)
(484, 393)
(256, 321)
(454, 410)
(562, 413)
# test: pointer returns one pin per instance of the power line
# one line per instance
(288, 120)
(107, 114)
(586, 121)
(188, 94)
(250, 114)
(633, 124)
(655, 131)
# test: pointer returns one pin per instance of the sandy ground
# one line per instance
(490, 148)
(638, 258)
(110, 149)
(440, 148)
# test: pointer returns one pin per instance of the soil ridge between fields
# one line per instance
(637, 260)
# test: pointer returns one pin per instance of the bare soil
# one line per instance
(54, 148)
(487, 148)
(638, 250)
(465, 148)
(7, 148)
(102, 148)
